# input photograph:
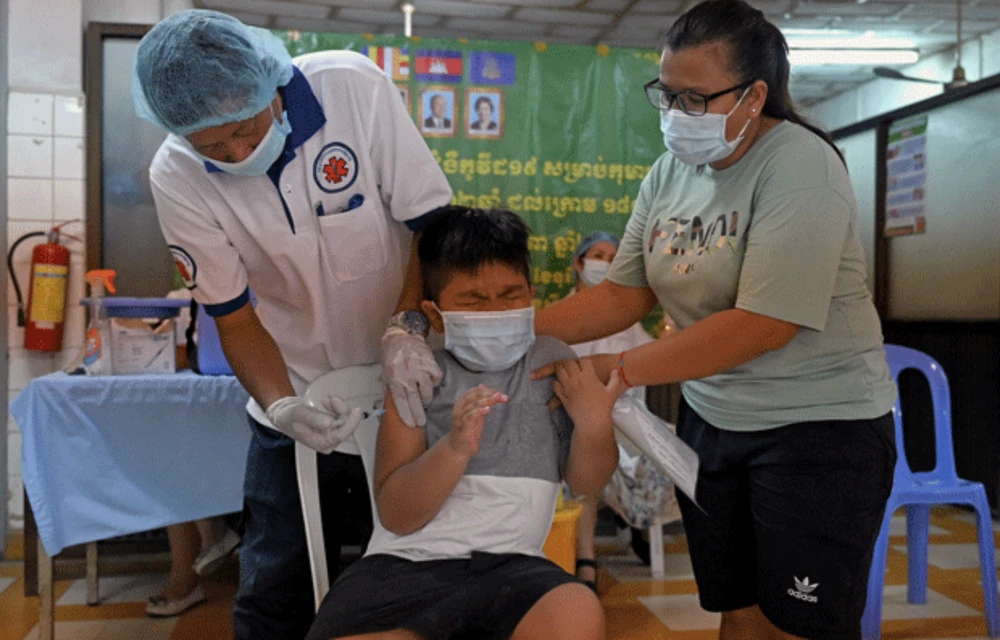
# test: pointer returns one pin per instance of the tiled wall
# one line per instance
(45, 171)
(45, 166)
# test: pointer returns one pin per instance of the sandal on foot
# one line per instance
(588, 562)
(212, 557)
(160, 607)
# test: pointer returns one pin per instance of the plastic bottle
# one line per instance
(97, 351)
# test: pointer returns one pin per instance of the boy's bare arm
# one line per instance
(593, 453)
(413, 482)
(593, 457)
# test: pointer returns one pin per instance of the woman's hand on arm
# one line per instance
(595, 312)
(714, 345)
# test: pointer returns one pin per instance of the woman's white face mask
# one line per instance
(594, 272)
(698, 140)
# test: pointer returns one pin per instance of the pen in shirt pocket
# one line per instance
(356, 201)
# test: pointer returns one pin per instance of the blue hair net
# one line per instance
(593, 238)
(200, 69)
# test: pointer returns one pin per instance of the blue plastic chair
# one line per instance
(917, 491)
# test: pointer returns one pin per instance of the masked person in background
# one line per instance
(305, 180)
(638, 491)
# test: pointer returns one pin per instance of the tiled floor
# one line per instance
(637, 607)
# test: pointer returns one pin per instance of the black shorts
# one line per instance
(790, 519)
(478, 598)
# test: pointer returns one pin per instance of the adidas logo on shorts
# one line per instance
(803, 590)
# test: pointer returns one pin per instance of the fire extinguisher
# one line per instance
(43, 323)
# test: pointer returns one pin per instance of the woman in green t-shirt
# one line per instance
(746, 231)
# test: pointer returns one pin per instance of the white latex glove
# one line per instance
(321, 429)
(412, 373)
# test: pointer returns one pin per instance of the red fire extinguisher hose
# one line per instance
(21, 319)
(13, 276)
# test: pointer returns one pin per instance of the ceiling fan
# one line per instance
(958, 74)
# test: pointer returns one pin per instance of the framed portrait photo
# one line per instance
(484, 112)
(438, 111)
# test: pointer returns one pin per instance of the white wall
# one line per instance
(45, 167)
(980, 57)
(132, 11)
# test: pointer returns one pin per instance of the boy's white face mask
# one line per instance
(489, 340)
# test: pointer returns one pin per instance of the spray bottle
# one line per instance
(97, 351)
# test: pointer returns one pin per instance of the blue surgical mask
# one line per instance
(267, 152)
(697, 140)
(489, 340)
(594, 272)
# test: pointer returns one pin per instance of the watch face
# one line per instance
(415, 322)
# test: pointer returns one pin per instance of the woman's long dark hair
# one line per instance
(757, 51)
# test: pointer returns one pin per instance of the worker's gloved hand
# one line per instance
(321, 429)
(411, 372)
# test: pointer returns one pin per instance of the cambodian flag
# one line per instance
(438, 66)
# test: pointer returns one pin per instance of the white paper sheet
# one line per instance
(656, 439)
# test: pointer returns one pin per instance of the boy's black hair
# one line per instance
(463, 239)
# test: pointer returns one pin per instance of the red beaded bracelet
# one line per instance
(621, 369)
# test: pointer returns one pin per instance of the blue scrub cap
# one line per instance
(593, 238)
(200, 69)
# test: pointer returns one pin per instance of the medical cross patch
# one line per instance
(186, 265)
(335, 168)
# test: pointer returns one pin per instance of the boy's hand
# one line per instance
(603, 364)
(587, 400)
(467, 418)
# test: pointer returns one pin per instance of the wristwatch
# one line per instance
(412, 322)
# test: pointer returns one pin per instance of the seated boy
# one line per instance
(466, 502)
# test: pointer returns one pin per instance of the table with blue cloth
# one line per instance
(115, 455)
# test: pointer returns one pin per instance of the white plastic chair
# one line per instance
(359, 386)
(656, 564)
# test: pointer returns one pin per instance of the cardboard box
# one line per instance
(140, 347)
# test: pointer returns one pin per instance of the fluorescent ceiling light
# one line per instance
(867, 40)
(802, 57)
(822, 33)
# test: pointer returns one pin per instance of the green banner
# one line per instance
(562, 135)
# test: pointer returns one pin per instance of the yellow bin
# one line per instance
(560, 545)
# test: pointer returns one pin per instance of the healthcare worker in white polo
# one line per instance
(304, 180)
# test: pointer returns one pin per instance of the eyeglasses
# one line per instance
(691, 103)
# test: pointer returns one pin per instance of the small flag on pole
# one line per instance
(439, 66)
(393, 61)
